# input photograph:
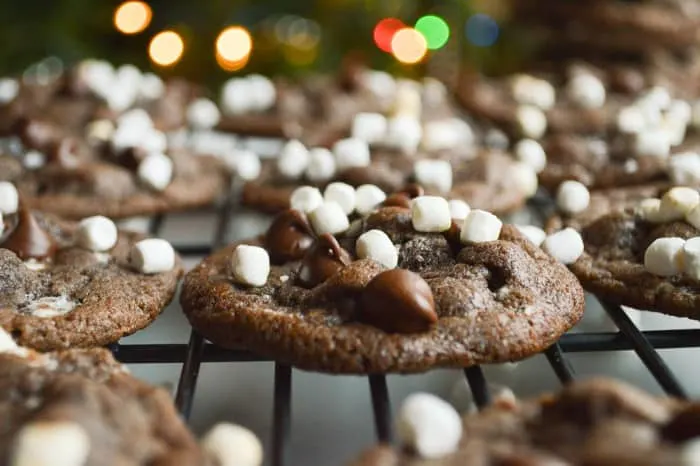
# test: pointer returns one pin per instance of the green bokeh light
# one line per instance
(434, 29)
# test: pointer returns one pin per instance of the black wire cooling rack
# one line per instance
(198, 351)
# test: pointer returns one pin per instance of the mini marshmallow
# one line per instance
(329, 217)
(658, 97)
(232, 445)
(566, 245)
(664, 257)
(293, 160)
(151, 87)
(691, 258)
(680, 111)
(9, 88)
(649, 209)
(684, 168)
(321, 165)
(587, 90)
(9, 198)
(367, 198)
(369, 127)
(690, 453)
(380, 83)
(341, 193)
(351, 152)
(572, 197)
(137, 118)
(203, 114)
(446, 134)
(434, 174)
(248, 166)
(430, 214)
(408, 101)
(235, 97)
(305, 199)
(531, 153)
(693, 217)
(152, 255)
(99, 131)
(535, 235)
(529, 90)
(404, 133)
(7, 344)
(458, 209)
(33, 160)
(47, 443)
(695, 116)
(376, 245)
(262, 91)
(153, 141)
(524, 178)
(531, 121)
(434, 92)
(156, 171)
(96, 233)
(429, 426)
(678, 202)
(630, 120)
(480, 227)
(653, 143)
(250, 265)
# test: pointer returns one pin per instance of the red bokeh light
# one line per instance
(384, 31)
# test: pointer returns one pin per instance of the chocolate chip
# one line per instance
(453, 237)
(29, 240)
(684, 426)
(413, 190)
(323, 260)
(289, 237)
(398, 200)
(398, 301)
(130, 158)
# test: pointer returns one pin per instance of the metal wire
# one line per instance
(477, 384)
(381, 407)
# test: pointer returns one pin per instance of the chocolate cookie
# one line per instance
(80, 285)
(596, 422)
(320, 307)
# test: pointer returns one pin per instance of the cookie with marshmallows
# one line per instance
(390, 291)
(79, 284)
(80, 407)
(594, 422)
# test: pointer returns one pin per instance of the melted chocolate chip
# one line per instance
(398, 200)
(453, 237)
(29, 240)
(63, 153)
(323, 260)
(398, 301)
(289, 237)
(130, 158)
(684, 426)
(413, 190)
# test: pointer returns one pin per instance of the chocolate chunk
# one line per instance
(684, 426)
(29, 240)
(323, 260)
(453, 237)
(130, 158)
(412, 190)
(398, 200)
(289, 237)
(398, 301)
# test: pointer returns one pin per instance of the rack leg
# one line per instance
(381, 407)
(645, 351)
(188, 377)
(155, 224)
(477, 384)
(561, 365)
(281, 413)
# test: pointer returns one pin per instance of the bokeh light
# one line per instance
(384, 32)
(482, 30)
(409, 46)
(166, 48)
(132, 17)
(435, 30)
(231, 65)
(234, 44)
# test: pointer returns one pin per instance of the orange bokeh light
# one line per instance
(409, 46)
(132, 17)
(234, 44)
(166, 48)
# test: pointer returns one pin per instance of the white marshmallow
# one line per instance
(9, 198)
(321, 165)
(690, 453)
(203, 114)
(446, 134)
(408, 101)
(524, 178)
(693, 217)
(232, 445)
(572, 197)
(329, 217)
(658, 97)
(376, 245)
(434, 174)
(677, 202)
(529, 90)
(404, 133)
(531, 121)
(480, 227)
(664, 257)
(7, 344)
(156, 171)
(691, 258)
(430, 214)
(47, 443)
(684, 169)
(674, 129)
(99, 131)
(530, 152)
(566, 245)
(680, 111)
(9, 88)
(695, 117)
(429, 426)
(459, 210)
(235, 97)
(369, 127)
(653, 143)
(151, 87)
(154, 141)
(96, 233)
(152, 255)
(536, 235)
(380, 83)
(293, 160)
(305, 199)
(587, 90)
(250, 265)
(367, 198)
(341, 193)
(434, 92)
(351, 153)
(631, 120)
(649, 209)
(33, 160)
(262, 91)
(248, 166)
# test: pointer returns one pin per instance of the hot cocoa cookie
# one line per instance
(81, 284)
(391, 292)
(595, 422)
